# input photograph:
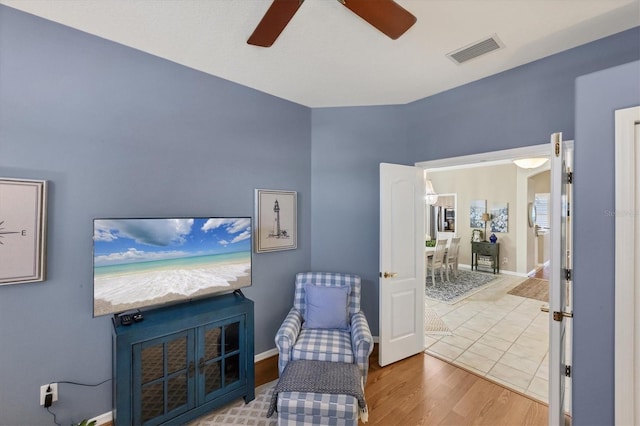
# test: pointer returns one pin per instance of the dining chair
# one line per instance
(436, 260)
(451, 259)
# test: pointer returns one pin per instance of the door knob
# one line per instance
(389, 274)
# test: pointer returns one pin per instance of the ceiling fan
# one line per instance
(386, 15)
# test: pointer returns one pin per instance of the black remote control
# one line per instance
(125, 319)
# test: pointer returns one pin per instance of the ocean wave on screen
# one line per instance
(155, 284)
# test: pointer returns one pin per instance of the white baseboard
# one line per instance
(103, 419)
(502, 271)
(515, 274)
(540, 266)
(265, 355)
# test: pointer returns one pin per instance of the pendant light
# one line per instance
(530, 163)
(430, 194)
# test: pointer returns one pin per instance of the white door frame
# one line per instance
(561, 211)
(488, 159)
(627, 271)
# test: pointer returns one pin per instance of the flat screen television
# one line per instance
(143, 263)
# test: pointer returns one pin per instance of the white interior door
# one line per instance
(560, 275)
(402, 273)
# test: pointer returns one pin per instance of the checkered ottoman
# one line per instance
(308, 408)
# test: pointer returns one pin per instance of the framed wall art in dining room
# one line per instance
(275, 220)
(22, 230)
(476, 209)
(499, 217)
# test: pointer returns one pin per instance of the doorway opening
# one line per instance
(492, 333)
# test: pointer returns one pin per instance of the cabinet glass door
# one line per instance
(219, 367)
(163, 378)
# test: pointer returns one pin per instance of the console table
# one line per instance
(182, 361)
(485, 249)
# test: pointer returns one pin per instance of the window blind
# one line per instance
(542, 209)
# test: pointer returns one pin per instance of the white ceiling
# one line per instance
(328, 56)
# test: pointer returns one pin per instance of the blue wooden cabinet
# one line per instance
(183, 361)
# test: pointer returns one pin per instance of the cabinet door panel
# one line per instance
(152, 401)
(152, 363)
(177, 391)
(162, 375)
(212, 377)
(232, 337)
(177, 355)
(231, 369)
(212, 343)
(220, 368)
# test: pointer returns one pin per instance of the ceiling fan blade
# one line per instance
(386, 15)
(273, 22)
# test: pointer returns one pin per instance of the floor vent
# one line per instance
(476, 49)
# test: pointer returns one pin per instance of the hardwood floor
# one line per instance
(266, 370)
(543, 273)
(423, 390)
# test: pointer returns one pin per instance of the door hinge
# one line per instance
(569, 177)
(567, 370)
(567, 274)
(557, 316)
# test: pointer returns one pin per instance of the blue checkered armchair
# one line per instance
(351, 345)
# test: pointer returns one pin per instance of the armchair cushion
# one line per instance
(323, 345)
(326, 307)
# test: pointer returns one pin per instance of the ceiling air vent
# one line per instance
(476, 49)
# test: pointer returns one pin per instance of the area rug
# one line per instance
(239, 413)
(533, 288)
(467, 284)
(433, 324)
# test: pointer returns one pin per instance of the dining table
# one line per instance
(430, 250)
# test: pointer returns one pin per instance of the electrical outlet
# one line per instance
(53, 391)
(505, 260)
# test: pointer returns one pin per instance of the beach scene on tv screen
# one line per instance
(148, 262)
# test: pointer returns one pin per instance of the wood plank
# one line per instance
(266, 370)
(424, 390)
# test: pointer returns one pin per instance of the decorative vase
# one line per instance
(493, 238)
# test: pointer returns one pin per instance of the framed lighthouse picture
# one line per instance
(275, 220)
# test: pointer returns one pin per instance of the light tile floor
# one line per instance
(499, 336)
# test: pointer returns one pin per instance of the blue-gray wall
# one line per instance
(348, 144)
(119, 133)
(598, 95)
